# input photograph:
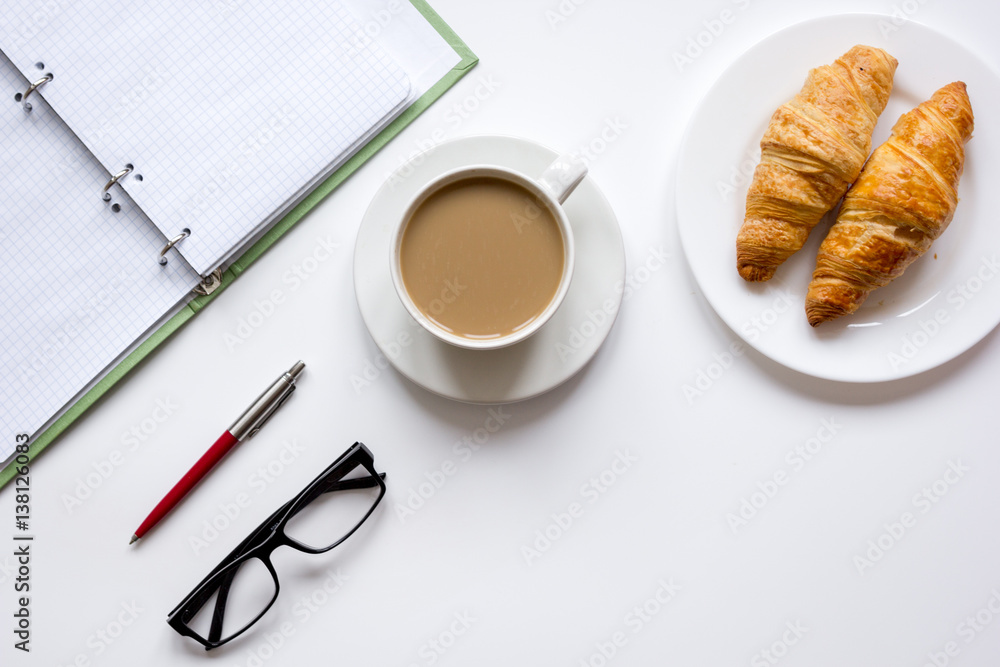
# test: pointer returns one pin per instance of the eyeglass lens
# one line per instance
(332, 516)
(236, 598)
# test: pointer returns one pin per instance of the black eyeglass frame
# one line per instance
(267, 537)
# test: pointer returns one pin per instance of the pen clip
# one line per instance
(270, 412)
(254, 417)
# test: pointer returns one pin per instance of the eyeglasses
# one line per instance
(240, 590)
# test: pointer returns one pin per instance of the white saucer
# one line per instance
(553, 355)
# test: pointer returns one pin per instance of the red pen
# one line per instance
(242, 429)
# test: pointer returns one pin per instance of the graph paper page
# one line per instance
(228, 111)
(79, 283)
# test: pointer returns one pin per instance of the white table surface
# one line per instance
(650, 571)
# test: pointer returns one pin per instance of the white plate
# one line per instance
(552, 355)
(941, 306)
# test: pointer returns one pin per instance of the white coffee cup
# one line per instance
(551, 188)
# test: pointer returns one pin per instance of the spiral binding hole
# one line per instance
(116, 207)
(138, 177)
(17, 97)
(39, 65)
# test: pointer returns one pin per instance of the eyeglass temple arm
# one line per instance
(351, 484)
(252, 541)
(336, 484)
(215, 631)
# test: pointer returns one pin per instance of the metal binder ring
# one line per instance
(32, 88)
(114, 179)
(171, 243)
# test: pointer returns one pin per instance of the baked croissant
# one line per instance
(812, 151)
(904, 199)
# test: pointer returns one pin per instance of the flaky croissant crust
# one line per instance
(904, 199)
(813, 149)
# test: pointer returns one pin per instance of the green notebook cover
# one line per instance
(468, 61)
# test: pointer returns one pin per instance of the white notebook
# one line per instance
(227, 111)
(228, 114)
(71, 303)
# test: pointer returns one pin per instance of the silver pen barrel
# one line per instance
(266, 404)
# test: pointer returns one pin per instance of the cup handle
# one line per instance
(562, 177)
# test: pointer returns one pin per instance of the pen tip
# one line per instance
(135, 538)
